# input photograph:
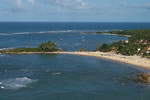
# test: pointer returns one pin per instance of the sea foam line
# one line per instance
(41, 32)
(16, 83)
(58, 31)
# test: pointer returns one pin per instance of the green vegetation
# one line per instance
(81, 49)
(126, 48)
(133, 32)
(47, 46)
(24, 50)
(137, 44)
(43, 47)
(122, 32)
(104, 48)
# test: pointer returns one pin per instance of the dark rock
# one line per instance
(144, 78)
(138, 77)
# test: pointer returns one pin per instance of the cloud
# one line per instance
(19, 5)
(69, 4)
(63, 4)
(72, 4)
(31, 1)
(144, 5)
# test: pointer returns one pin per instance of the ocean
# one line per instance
(65, 77)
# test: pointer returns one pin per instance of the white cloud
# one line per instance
(18, 3)
(21, 4)
(144, 5)
(31, 1)
(68, 4)
(72, 4)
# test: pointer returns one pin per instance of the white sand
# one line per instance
(134, 60)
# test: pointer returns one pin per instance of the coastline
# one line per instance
(103, 33)
(116, 34)
(133, 60)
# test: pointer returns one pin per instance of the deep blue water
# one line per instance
(65, 77)
(14, 27)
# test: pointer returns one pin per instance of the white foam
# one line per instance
(5, 70)
(55, 31)
(56, 73)
(2, 87)
(77, 44)
(2, 55)
(16, 83)
(40, 32)
(1, 49)
(4, 48)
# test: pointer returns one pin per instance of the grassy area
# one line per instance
(43, 47)
(24, 50)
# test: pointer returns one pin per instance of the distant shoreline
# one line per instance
(134, 60)
(105, 33)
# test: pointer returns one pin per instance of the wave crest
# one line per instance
(41, 32)
(16, 83)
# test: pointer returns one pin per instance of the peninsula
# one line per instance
(135, 50)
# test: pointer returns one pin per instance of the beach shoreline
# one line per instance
(105, 33)
(133, 60)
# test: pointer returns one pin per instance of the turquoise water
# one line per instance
(65, 77)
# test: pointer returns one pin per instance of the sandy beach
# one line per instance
(134, 60)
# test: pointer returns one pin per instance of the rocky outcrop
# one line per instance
(139, 77)
(144, 78)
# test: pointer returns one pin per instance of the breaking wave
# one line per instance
(16, 83)
(5, 48)
(2, 55)
(59, 31)
(41, 32)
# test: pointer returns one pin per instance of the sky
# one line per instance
(75, 10)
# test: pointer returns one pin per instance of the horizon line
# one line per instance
(72, 22)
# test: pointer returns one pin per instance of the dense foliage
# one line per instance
(43, 47)
(81, 49)
(47, 46)
(138, 43)
(126, 32)
(104, 48)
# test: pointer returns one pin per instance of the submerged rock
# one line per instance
(144, 78)
(139, 77)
